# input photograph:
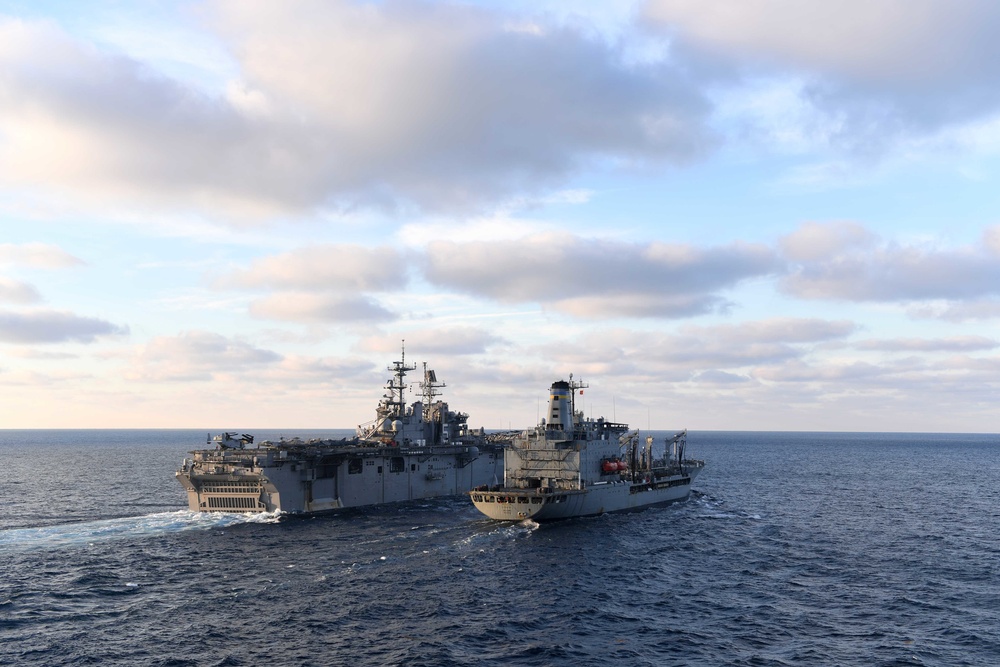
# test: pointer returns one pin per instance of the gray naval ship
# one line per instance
(572, 467)
(425, 450)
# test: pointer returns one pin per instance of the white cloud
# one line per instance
(951, 344)
(719, 377)
(46, 355)
(319, 308)
(641, 305)
(814, 241)
(798, 371)
(37, 255)
(198, 356)
(447, 340)
(15, 291)
(747, 344)
(597, 278)
(321, 284)
(692, 350)
(323, 268)
(377, 104)
(894, 42)
(601, 278)
(871, 73)
(775, 330)
(991, 240)
(496, 228)
(53, 326)
(843, 261)
(972, 310)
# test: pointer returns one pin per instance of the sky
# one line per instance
(755, 215)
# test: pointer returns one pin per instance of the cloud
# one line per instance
(586, 278)
(748, 343)
(775, 330)
(600, 279)
(814, 241)
(642, 305)
(439, 105)
(733, 376)
(952, 344)
(877, 70)
(323, 268)
(502, 226)
(597, 278)
(298, 369)
(15, 291)
(321, 284)
(30, 380)
(52, 326)
(30, 353)
(448, 341)
(719, 377)
(967, 311)
(858, 267)
(76, 119)
(36, 255)
(891, 41)
(798, 371)
(313, 308)
(451, 102)
(991, 240)
(198, 356)
(691, 350)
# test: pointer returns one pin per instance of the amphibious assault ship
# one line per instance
(424, 450)
(572, 467)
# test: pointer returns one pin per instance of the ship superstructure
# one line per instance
(571, 466)
(408, 452)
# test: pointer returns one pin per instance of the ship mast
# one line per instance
(573, 387)
(396, 399)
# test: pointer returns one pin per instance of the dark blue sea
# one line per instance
(795, 549)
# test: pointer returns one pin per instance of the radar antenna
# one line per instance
(430, 387)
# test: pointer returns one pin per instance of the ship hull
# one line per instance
(514, 504)
(257, 481)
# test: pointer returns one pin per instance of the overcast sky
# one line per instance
(766, 214)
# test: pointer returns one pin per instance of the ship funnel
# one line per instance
(560, 410)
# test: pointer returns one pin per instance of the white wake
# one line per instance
(91, 532)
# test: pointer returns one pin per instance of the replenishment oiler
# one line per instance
(571, 467)
(425, 450)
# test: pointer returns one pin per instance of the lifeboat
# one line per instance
(622, 466)
(609, 466)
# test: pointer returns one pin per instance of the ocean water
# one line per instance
(794, 549)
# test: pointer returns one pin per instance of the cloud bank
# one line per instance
(600, 279)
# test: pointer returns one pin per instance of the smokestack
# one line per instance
(560, 412)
